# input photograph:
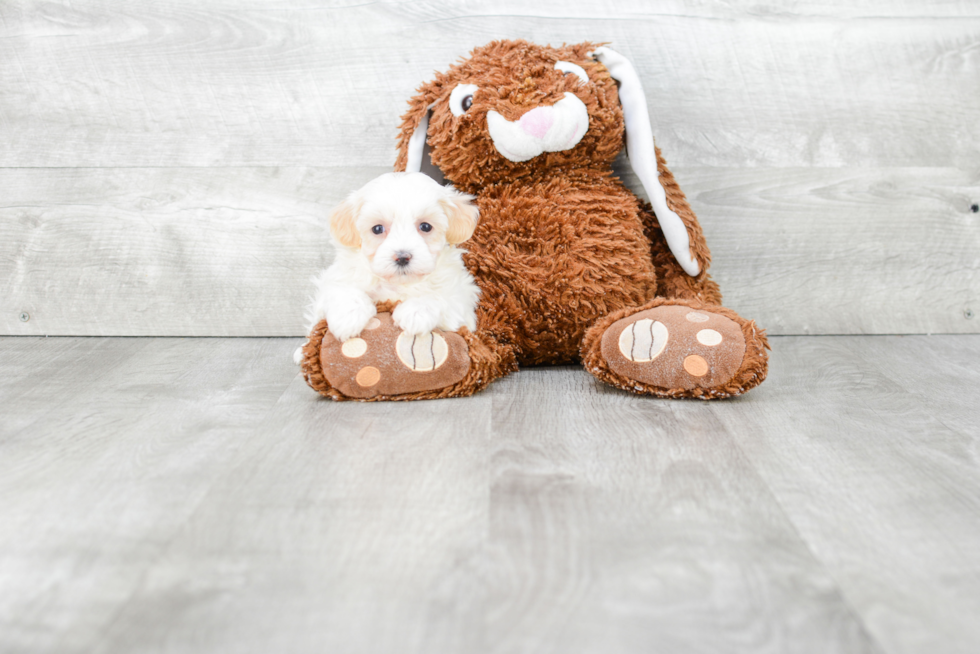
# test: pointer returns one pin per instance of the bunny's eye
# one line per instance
(461, 99)
(378, 229)
(568, 67)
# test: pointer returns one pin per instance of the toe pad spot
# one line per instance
(709, 337)
(696, 365)
(368, 376)
(354, 348)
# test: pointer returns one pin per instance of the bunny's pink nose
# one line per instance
(538, 121)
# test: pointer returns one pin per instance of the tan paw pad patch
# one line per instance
(697, 316)
(422, 352)
(643, 341)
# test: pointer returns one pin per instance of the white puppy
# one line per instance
(396, 240)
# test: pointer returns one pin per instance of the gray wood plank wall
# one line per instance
(165, 168)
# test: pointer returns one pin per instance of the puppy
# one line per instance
(396, 240)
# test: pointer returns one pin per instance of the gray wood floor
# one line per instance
(193, 495)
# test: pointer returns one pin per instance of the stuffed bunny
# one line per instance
(571, 265)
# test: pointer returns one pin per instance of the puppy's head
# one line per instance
(401, 221)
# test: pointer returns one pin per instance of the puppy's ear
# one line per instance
(343, 223)
(462, 215)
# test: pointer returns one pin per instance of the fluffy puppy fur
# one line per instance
(396, 241)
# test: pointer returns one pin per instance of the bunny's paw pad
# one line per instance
(675, 347)
(385, 361)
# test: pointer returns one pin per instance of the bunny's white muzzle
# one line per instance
(543, 129)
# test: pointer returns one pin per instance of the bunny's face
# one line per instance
(514, 109)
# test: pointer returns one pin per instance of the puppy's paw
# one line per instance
(348, 319)
(416, 316)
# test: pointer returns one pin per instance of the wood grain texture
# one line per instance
(191, 251)
(872, 447)
(193, 495)
(105, 463)
(364, 527)
(168, 251)
(844, 251)
(182, 83)
(164, 168)
(134, 511)
(624, 524)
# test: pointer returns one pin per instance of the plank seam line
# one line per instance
(845, 601)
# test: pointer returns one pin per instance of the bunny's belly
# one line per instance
(554, 256)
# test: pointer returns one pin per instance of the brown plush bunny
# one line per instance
(571, 264)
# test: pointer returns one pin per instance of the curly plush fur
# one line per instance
(563, 249)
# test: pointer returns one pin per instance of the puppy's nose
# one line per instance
(402, 259)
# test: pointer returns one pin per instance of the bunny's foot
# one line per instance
(385, 363)
(677, 348)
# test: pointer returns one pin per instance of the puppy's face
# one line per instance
(401, 221)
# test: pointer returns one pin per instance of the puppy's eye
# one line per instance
(378, 229)
(461, 99)
(425, 227)
(568, 67)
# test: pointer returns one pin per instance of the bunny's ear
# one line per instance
(417, 143)
(413, 150)
(642, 156)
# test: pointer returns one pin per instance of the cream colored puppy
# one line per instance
(396, 240)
